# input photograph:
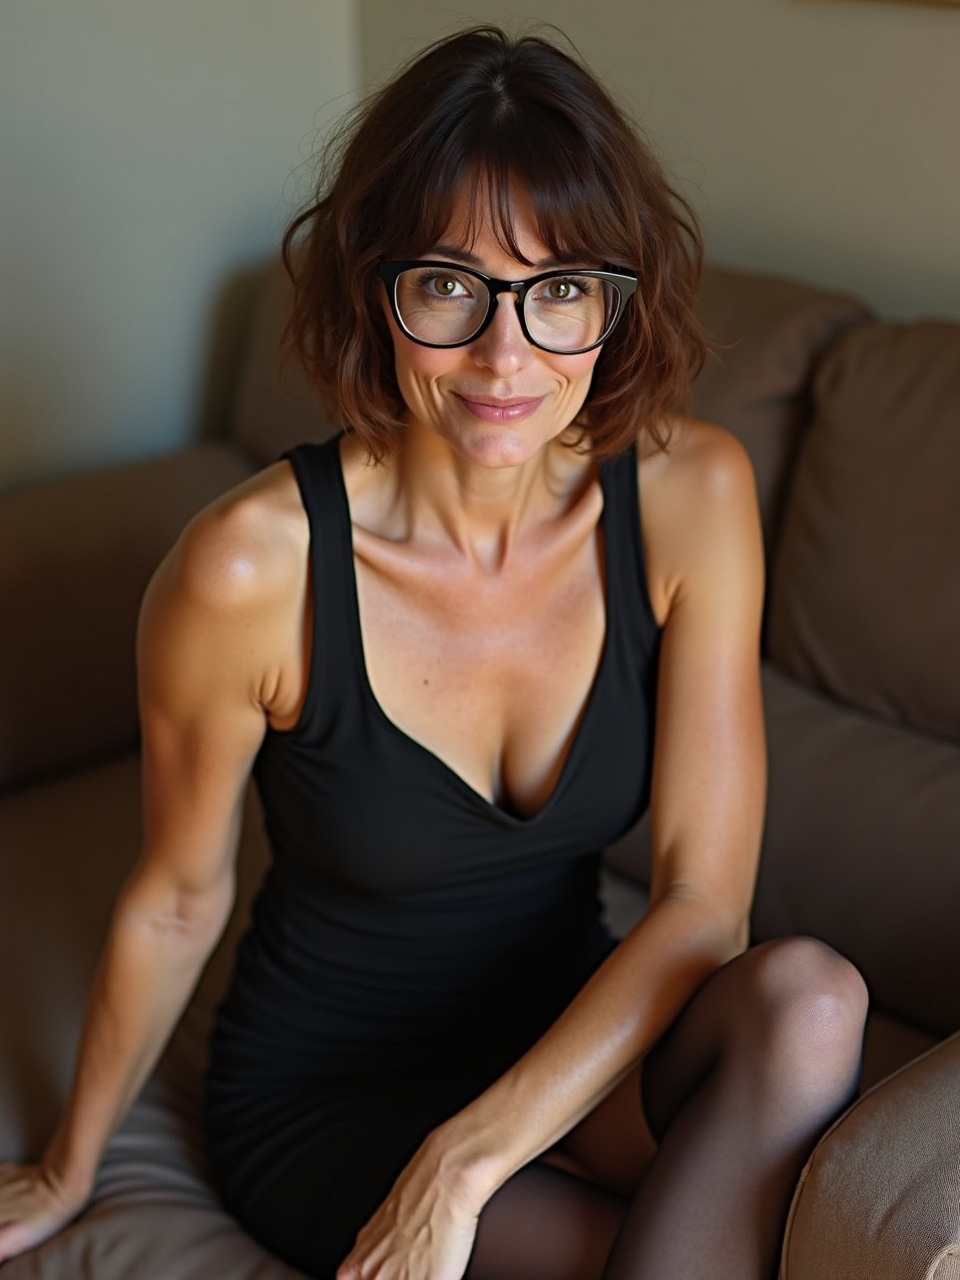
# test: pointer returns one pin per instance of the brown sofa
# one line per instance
(854, 427)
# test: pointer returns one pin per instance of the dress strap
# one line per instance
(628, 589)
(332, 657)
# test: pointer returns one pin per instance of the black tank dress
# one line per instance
(411, 939)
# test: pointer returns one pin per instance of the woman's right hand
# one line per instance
(33, 1207)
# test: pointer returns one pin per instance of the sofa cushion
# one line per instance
(888, 1045)
(880, 1197)
(865, 594)
(860, 848)
(75, 557)
(153, 1215)
(770, 333)
(275, 407)
(67, 846)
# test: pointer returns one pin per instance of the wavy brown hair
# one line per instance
(474, 113)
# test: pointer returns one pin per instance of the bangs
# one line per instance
(473, 177)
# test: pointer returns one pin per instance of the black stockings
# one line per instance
(737, 1093)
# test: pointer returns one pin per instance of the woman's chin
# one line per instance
(499, 447)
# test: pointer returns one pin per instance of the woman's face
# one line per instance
(498, 400)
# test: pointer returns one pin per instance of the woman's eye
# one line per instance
(444, 286)
(564, 289)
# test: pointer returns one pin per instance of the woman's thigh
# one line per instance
(613, 1145)
(557, 1219)
(546, 1224)
(543, 1224)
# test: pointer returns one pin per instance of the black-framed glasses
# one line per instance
(441, 304)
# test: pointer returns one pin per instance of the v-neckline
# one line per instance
(491, 807)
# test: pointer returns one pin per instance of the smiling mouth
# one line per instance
(495, 409)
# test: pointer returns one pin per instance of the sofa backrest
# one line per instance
(769, 334)
(862, 839)
(865, 593)
(75, 557)
(275, 407)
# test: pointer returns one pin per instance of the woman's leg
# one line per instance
(546, 1224)
(738, 1092)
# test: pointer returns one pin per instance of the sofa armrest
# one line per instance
(75, 558)
(880, 1197)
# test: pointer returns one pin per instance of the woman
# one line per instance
(462, 647)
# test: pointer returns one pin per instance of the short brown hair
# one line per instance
(474, 112)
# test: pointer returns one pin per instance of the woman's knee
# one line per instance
(784, 1019)
(811, 999)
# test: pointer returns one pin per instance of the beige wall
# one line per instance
(816, 137)
(148, 158)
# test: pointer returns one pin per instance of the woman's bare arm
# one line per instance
(211, 641)
(706, 570)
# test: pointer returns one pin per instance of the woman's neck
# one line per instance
(427, 490)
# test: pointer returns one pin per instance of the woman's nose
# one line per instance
(502, 345)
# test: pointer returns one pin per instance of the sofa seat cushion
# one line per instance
(865, 593)
(154, 1214)
(67, 846)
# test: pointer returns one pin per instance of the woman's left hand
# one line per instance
(424, 1230)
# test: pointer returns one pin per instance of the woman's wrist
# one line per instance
(468, 1162)
(71, 1179)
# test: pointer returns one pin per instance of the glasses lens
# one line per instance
(441, 304)
(563, 312)
(570, 312)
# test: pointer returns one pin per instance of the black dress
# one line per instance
(411, 939)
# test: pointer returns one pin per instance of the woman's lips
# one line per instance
(491, 409)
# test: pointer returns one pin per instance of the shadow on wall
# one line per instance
(24, 419)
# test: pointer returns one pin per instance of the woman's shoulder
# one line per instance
(696, 459)
(222, 621)
(245, 549)
(698, 506)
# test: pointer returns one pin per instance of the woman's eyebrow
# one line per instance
(471, 260)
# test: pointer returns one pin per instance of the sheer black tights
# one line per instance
(737, 1092)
